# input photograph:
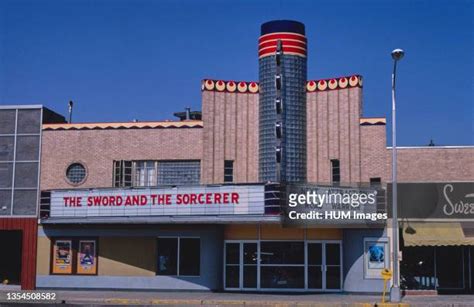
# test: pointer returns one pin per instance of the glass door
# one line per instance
(250, 259)
(324, 269)
(450, 269)
(289, 265)
(232, 266)
(333, 266)
(241, 261)
(315, 266)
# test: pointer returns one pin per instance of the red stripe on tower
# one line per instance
(292, 43)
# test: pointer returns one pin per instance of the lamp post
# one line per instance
(395, 295)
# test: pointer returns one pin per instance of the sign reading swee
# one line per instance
(217, 200)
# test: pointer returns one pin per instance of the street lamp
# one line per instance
(395, 295)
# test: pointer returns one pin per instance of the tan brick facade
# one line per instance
(373, 153)
(433, 164)
(333, 132)
(98, 148)
(229, 131)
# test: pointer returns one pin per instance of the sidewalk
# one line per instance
(234, 299)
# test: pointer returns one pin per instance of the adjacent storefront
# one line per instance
(20, 148)
(437, 237)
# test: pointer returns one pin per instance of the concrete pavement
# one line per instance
(236, 299)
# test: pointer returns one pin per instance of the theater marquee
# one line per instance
(198, 200)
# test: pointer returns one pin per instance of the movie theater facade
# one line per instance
(190, 204)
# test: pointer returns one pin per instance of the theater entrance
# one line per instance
(275, 265)
(10, 257)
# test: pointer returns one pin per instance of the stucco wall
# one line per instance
(353, 249)
(43, 256)
(127, 258)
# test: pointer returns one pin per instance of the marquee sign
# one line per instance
(193, 200)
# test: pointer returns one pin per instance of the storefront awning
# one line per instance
(436, 234)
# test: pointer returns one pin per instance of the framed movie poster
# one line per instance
(87, 257)
(376, 257)
(376, 254)
(62, 257)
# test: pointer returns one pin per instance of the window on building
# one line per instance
(278, 82)
(145, 173)
(179, 256)
(179, 172)
(336, 171)
(153, 173)
(228, 171)
(278, 105)
(76, 173)
(375, 181)
(278, 154)
(278, 130)
(122, 173)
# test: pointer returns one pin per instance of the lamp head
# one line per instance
(398, 54)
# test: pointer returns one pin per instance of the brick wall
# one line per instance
(230, 133)
(97, 149)
(230, 121)
(373, 152)
(427, 164)
(334, 133)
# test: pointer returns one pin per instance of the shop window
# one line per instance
(282, 252)
(189, 256)
(335, 172)
(417, 269)
(76, 173)
(167, 256)
(376, 257)
(282, 264)
(228, 171)
(179, 256)
(74, 256)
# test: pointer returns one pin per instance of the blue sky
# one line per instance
(123, 60)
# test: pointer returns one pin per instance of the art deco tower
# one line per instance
(282, 109)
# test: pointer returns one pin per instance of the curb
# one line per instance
(205, 302)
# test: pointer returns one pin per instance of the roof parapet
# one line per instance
(125, 125)
(253, 87)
